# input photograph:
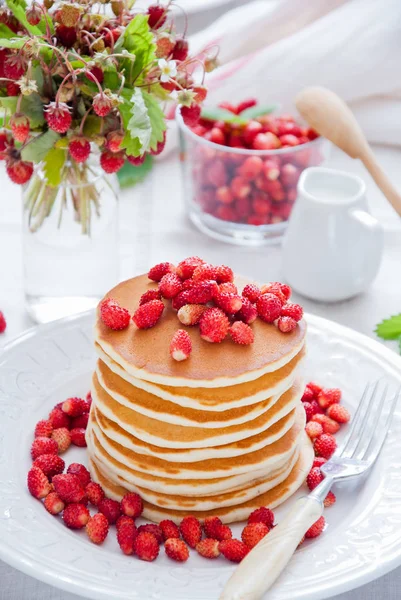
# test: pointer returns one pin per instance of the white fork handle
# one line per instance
(261, 567)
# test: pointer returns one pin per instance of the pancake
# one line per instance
(144, 354)
(158, 433)
(216, 399)
(240, 512)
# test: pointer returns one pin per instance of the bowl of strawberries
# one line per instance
(241, 164)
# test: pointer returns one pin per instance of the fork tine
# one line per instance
(358, 420)
(373, 452)
(369, 427)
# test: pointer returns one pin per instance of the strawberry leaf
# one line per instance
(130, 175)
(32, 107)
(5, 33)
(389, 329)
(10, 41)
(138, 127)
(257, 111)
(37, 149)
(157, 119)
(53, 164)
(221, 114)
(138, 39)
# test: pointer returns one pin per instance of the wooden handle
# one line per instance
(381, 179)
(261, 567)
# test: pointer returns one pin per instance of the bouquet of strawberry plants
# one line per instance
(82, 86)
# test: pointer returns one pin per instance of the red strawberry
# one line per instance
(200, 293)
(33, 15)
(102, 105)
(228, 288)
(148, 314)
(38, 484)
(269, 307)
(176, 550)
(313, 429)
(76, 515)
(146, 546)
(224, 274)
(286, 324)
(159, 270)
(43, 445)
(191, 530)
(222, 532)
(43, 429)
(132, 505)
(190, 114)
(204, 272)
(126, 534)
(213, 325)
(154, 530)
(170, 285)
(276, 289)
(314, 478)
(20, 127)
(325, 445)
(69, 488)
(252, 292)
(111, 162)
(80, 422)
(78, 437)
(316, 389)
(169, 529)
(180, 345)
(329, 500)
(190, 314)
(200, 93)
(95, 73)
(59, 419)
(14, 66)
(110, 508)
(208, 548)
(316, 528)
(19, 171)
(233, 550)
(53, 504)
(253, 533)
(295, 311)
(79, 148)
(67, 36)
(81, 472)
(157, 16)
(262, 515)
(211, 525)
(338, 413)
(248, 312)
(319, 461)
(328, 425)
(113, 315)
(311, 409)
(241, 333)
(3, 323)
(58, 116)
(63, 438)
(97, 528)
(114, 141)
(308, 395)
(186, 268)
(180, 52)
(94, 493)
(327, 397)
(50, 464)
(148, 296)
(230, 303)
(74, 407)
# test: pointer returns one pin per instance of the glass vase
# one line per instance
(70, 241)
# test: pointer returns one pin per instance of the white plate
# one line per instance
(44, 366)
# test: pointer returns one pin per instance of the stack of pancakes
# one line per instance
(220, 433)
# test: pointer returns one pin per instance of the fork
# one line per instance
(359, 451)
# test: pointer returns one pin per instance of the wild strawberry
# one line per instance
(286, 324)
(79, 148)
(319, 461)
(148, 296)
(69, 14)
(154, 530)
(19, 171)
(38, 484)
(132, 505)
(251, 167)
(310, 409)
(59, 419)
(268, 307)
(14, 66)
(157, 16)
(170, 285)
(13, 89)
(210, 526)
(228, 288)
(329, 500)
(200, 93)
(230, 303)
(81, 472)
(3, 323)
(80, 422)
(74, 407)
(253, 533)
(190, 114)
(262, 515)
(316, 389)
(126, 534)
(53, 504)
(313, 429)
(308, 395)
(234, 550)
(176, 550)
(328, 425)
(248, 312)
(148, 314)
(62, 437)
(241, 333)
(316, 528)
(114, 141)
(69, 488)
(189, 314)
(111, 162)
(136, 160)
(314, 478)
(252, 292)
(208, 548)
(102, 105)
(224, 274)
(58, 116)
(169, 529)
(95, 73)
(113, 315)
(275, 288)
(51, 464)
(33, 15)
(43, 429)
(295, 311)
(159, 270)
(338, 413)
(159, 146)
(94, 493)
(180, 345)
(325, 445)
(76, 515)
(180, 53)
(271, 170)
(213, 325)
(164, 46)
(20, 127)
(200, 293)
(204, 271)
(186, 268)
(78, 437)
(146, 546)
(97, 528)
(222, 532)
(43, 445)
(110, 508)
(191, 530)
(327, 397)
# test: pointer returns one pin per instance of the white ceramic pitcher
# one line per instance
(333, 245)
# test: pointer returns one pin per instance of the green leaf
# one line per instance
(37, 74)
(138, 129)
(92, 125)
(138, 39)
(5, 33)
(157, 119)
(37, 149)
(53, 164)
(32, 107)
(19, 13)
(221, 114)
(111, 80)
(257, 111)
(9, 103)
(42, 25)
(389, 329)
(130, 175)
(11, 41)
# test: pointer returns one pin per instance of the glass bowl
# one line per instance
(244, 204)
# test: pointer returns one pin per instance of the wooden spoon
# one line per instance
(323, 110)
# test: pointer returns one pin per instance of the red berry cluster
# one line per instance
(205, 295)
(259, 188)
(3, 323)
